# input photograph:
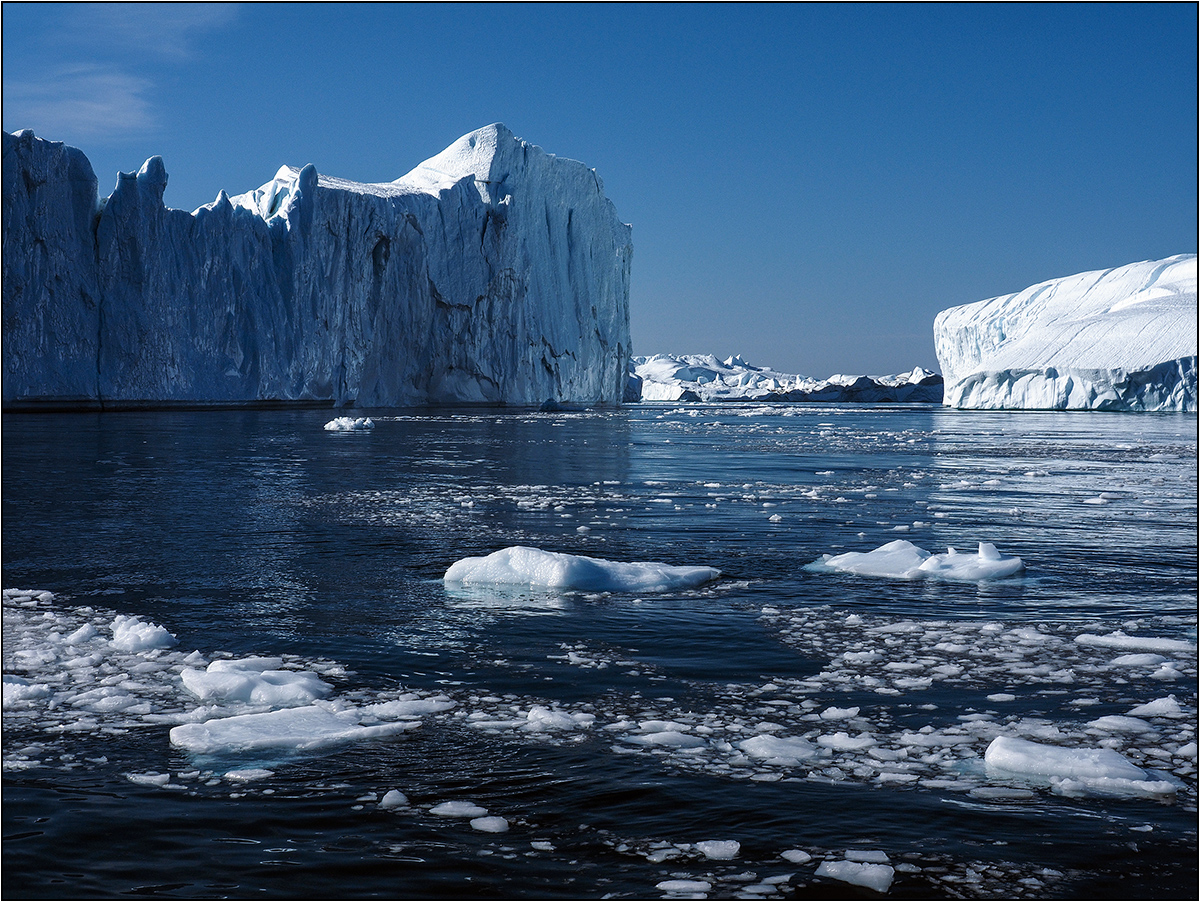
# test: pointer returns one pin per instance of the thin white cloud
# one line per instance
(164, 30)
(91, 74)
(79, 102)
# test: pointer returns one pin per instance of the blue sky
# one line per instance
(808, 184)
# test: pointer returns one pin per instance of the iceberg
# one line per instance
(1116, 339)
(703, 377)
(491, 273)
(522, 566)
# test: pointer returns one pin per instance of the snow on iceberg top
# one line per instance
(1127, 318)
(488, 155)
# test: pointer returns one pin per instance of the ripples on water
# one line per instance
(258, 533)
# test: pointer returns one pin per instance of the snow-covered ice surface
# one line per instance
(236, 633)
(703, 377)
(494, 272)
(901, 559)
(1114, 339)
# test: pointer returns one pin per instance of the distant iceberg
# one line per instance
(703, 377)
(1116, 339)
(493, 273)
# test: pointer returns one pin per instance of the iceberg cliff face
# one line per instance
(1117, 339)
(492, 273)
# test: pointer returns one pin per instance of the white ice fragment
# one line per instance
(458, 809)
(295, 728)
(133, 635)
(393, 798)
(491, 824)
(874, 856)
(1160, 707)
(1117, 723)
(779, 750)
(684, 886)
(226, 681)
(150, 779)
(832, 713)
(83, 634)
(248, 774)
(1138, 660)
(796, 856)
(1021, 756)
(873, 876)
(902, 559)
(349, 424)
(1118, 639)
(719, 849)
(670, 739)
(18, 691)
(524, 566)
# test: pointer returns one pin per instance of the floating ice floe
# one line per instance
(902, 559)
(859, 873)
(523, 566)
(349, 424)
(255, 681)
(304, 728)
(1075, 771)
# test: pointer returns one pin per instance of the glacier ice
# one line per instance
(492, 273)
(703, 377)
(1116, 339)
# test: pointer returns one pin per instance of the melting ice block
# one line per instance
(1115, 339)
(904, 560)
(350, 424)
(523, 566)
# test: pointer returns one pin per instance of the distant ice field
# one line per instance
(237, 629)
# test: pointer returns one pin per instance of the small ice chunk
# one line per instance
(150, 779)
(133, 635)
(222, 682)
(796, 856)
(1117, 723)
(524, 566)
(248, 774)
(491, 824)
(458, 809)
(670, 739)
(833, 713)
(83, 634)
(1138, 660)
(349, 424)
(781, 750)
(1160, 707)
(684, 886)
(873, 876)
(719, 849)
(874, 856)
(393, 798)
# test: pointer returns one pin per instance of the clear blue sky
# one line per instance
(808, 184)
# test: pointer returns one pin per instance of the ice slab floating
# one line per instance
(904, 560)
(297, 729)
(523, 566)
(1116, 339)
(492, 273)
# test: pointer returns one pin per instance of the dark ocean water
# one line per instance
(258, 533)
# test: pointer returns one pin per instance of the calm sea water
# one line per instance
(258, 533)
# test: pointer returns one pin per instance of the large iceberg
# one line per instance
(703, 377)
(492, 273)
(1115, 339)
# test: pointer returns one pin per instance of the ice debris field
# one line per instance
(1060, 708)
